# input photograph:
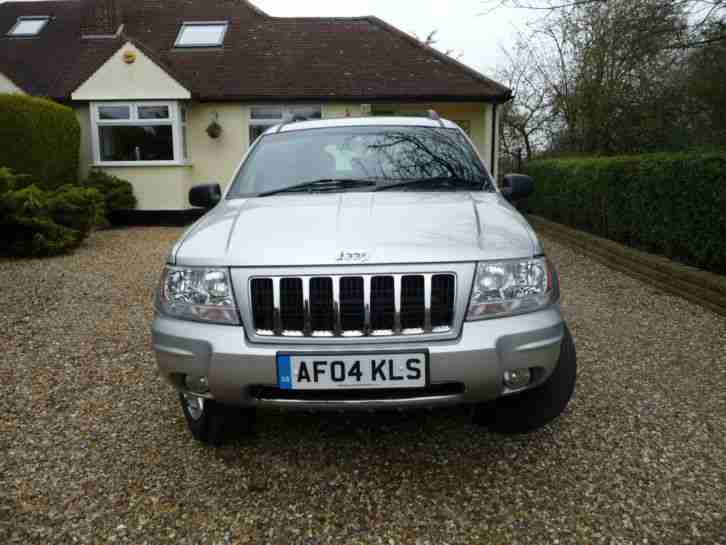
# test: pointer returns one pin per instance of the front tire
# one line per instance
(532, 409)
(210, 422)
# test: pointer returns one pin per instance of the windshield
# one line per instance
(378, 155)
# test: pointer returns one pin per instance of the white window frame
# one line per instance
(178, 42)
(184, 132)
(287, 110)
(45, 18)
(175, 121)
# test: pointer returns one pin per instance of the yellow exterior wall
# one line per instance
(215, 160)
(156, 188)
(8, 86)
(210, 160)
(141, 80)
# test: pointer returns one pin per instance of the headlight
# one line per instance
(512, 287)
(197, 293)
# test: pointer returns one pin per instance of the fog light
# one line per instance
(197, 384)
(517, 378)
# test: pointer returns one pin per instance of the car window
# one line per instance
(384, 154)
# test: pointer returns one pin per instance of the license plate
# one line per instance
(364, 371)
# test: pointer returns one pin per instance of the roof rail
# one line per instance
(434, 115)
(285, 121)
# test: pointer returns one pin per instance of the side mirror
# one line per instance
(517, 186)
(205, 196)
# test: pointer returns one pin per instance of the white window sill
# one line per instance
(110, 164)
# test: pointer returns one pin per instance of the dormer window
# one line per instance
(28, 26)
(202, 34)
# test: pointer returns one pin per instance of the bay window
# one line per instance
(138, 133)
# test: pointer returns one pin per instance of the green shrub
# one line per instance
(79, 208)
(40, 138)
(37, 222)
(670, 204)
(28, 228)
(9, 180)
(118, 194)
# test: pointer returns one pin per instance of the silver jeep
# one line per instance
(363, 264)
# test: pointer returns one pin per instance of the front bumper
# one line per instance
(239, 370)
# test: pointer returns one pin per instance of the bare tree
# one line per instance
(601, 77)
(526, 118)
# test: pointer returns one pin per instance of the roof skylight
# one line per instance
(28, 26)
(202, 34)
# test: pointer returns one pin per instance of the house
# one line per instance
(152, 82)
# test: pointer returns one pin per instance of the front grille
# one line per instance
(353, 306)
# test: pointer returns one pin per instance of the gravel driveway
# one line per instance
(94, 449)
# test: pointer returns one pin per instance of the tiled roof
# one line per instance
(263, 57)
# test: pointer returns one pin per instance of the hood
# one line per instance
(389, 227)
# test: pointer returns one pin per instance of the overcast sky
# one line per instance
(478, 38)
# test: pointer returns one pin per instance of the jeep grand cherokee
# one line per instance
(367, 263)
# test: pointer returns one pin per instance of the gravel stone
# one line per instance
(94, 448)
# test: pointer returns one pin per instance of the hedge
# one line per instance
(670, 204)
(40, 138)
(39, 222)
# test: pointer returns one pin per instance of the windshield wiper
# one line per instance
(456, 183)
(325, 184)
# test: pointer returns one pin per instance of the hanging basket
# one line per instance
(214, 130)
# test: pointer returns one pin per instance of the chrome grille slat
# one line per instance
(350, 306)
(307, 320)
(276, 316)
(427, 303)
(336, 306)
(367, 305)
(397, 304)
